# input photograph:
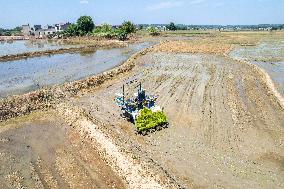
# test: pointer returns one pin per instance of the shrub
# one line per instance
(153, 31)
(150, 120)
(121, 35)
(105, 31)
(128, 27)
(103, 28)
(72, 30)
(108, 35)
(106, 28)
(8, 33)
(108, 32)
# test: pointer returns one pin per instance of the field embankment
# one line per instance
(85, 47)
(45, 98)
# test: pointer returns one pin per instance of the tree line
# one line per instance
(9, 32)
(86, 27)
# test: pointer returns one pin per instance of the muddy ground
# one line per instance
(226, 128)
(41, 151)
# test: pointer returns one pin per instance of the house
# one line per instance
(26, 30)
(62, 26)
(45, 32)
(40, 32)
(37, 27)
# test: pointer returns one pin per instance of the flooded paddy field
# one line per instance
(269, 56)
(275, 71)
(41, 151)
(24, 75)
(27, 46)
(264, 51)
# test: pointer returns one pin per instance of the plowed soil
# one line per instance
(226, 126)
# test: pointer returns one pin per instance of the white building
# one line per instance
(37, 31)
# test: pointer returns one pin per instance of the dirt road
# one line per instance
(226, 127)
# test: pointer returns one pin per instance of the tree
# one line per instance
(18, 28)
(85, 25)
(172, 26)
(72, 30)
(105, 31)
(140, 27)
(128, 27)
(153, 31)
(7, 33)
(273, 28)
(181, 27)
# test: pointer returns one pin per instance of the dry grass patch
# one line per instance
(193, 47)
(218, 43)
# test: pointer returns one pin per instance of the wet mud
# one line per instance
(41, 151)
(226, 126)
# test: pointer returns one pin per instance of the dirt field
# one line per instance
(41, 151)
(226, 128)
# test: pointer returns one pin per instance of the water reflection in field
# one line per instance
(268, 55)
(18, 47)
(24, 75)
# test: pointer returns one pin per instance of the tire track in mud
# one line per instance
(209, 126)
(43, 176)
(250, 102)
(215, 136)
(267, 79)
(135, 174)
